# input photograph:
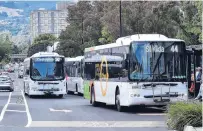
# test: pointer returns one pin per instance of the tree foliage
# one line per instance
(5, 47)
(98, 22)
(40, 43)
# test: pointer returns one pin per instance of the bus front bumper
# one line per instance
(47, 92)
(154, 101)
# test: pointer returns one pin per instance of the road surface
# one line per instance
(72, 113)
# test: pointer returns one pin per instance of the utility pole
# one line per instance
(120, 10)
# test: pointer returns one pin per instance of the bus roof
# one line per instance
(43, 54)
(98, 58)
(78, 58)
(144, 37)
(125, 41)
(46, 54)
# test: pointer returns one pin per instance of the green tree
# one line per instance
(101, 23)
(40, 43)
(15, 49)
(191, 24)
(5, 47)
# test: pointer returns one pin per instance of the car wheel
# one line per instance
(11, 90)
(60, 96)
(31, 96)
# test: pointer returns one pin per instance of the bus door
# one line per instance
(194, 62)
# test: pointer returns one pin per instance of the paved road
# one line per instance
(19, 112)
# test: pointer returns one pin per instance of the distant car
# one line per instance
(4, 73)
(6, 83)
(11, 70)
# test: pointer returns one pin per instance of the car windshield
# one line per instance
(47, 69)
(157, 61)
(4, 79)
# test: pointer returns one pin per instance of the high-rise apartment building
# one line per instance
(47, 21)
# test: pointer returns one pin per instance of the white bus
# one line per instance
(44, 74)
(152, 72)
(73, 75)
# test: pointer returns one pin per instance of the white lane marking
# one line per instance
(15, 111)
(151, 114)
(27, 111)
(53, 110)
(5, 107)
(98, 124)
(16, 104)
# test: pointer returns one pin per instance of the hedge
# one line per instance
(182, 114)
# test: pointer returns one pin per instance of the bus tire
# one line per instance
(117, 101)
(76, 89)
(93, 102)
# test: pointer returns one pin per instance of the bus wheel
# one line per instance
(117, 102)
(94, 103)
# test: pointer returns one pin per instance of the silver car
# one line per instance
(6, 83)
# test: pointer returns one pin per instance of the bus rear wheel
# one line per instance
(93, 102)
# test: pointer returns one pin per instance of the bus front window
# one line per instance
(157, 61)
(47, 69)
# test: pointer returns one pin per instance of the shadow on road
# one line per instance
(45, 97)
(135, 109)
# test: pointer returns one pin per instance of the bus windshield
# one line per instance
(157, 61)
(47, 69)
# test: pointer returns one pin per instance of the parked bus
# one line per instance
(73, 75)
(44, 74)
(152, 71)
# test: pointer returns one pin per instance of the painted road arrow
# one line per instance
(53, 110)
